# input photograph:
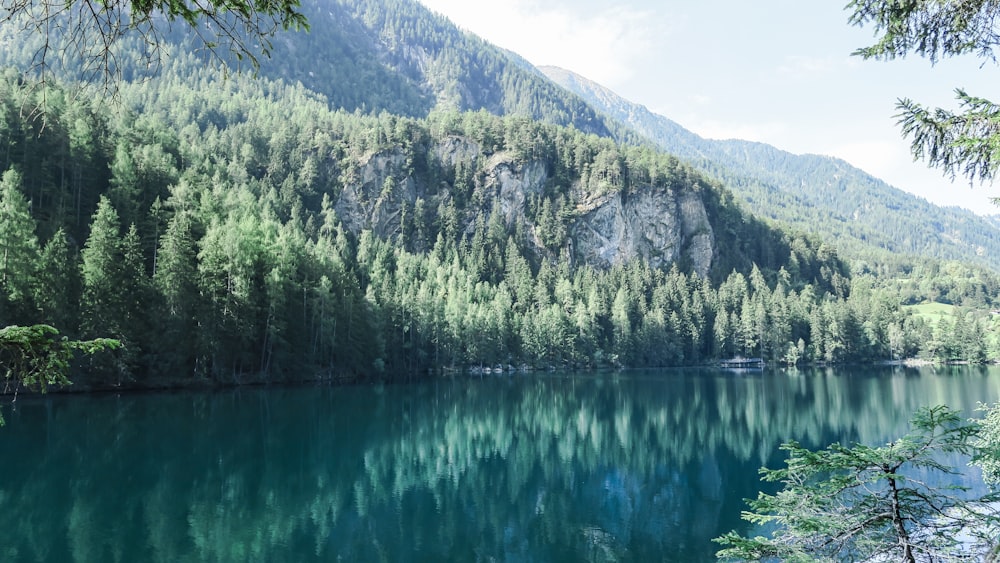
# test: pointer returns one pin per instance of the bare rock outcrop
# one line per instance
(658, 225)
(374, 197)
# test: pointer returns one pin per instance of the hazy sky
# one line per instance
(776, 71)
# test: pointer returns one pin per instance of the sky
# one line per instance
(775, 71)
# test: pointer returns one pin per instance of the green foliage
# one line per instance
(863, 503)
(929, 28)
(988, 446)
(58, 283)
(36, 357)
(89, 35)
(18, 246)
(963, 143)
(959, 143)
(242, 231)
(103, 273)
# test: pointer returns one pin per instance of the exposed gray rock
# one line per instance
(699, 239)
(453, 150)
(658, 225)
(369, 202)
(511, 183)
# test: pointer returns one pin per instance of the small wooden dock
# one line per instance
(742, 363)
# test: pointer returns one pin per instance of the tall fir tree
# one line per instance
(101, 268)
(18, 252)
(176, 283)
(57, 293)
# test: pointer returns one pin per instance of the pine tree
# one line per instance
(18, 251)
(102, 305)
(105, 295)
(176, 282)
(57, 293)
(622, 325)
(135, 297)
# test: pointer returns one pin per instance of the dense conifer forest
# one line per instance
(201, 231)
(201, 219)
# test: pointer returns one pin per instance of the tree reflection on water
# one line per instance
(631, 466)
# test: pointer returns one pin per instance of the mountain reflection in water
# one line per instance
(633, 466)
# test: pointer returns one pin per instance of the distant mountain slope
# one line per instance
(369, 56)
(397, 56)
(814, 193)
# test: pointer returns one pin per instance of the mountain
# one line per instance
(391, 55)
(819, 194)
(398, 57)
(395, 57)
(383, 221)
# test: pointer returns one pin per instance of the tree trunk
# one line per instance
(902, 536)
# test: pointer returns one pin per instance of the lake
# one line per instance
(623, 466)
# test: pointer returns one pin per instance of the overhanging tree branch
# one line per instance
(929, 28)
(86, 34)
(964, 143)
(36, 357)
(860, 504)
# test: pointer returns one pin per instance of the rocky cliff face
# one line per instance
(660, 226)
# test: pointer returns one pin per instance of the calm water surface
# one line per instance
(634, 466)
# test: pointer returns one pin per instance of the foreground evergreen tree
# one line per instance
(864, 503)
(88, 34)
(961, 143)
(103, 273)
(36, 357)
(57, 293)
(176, 281)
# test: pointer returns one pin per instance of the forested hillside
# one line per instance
(389, 55)
(242, 228)
(868, 219)
(203, 231)
(395, 55)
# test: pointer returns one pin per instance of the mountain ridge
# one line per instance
(249, 229)
(441, 65)
(399, 57)
(797, 189)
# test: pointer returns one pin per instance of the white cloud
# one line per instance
(700, 99)
(878, 158)
(595, 44)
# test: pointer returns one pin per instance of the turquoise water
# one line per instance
(632, 466)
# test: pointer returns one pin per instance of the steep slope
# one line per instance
(432, 62)
(815, 193)
(410, 60)
(396, 56)
(390, 55)
(243, 231)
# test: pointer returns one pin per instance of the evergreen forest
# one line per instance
(230, 228)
